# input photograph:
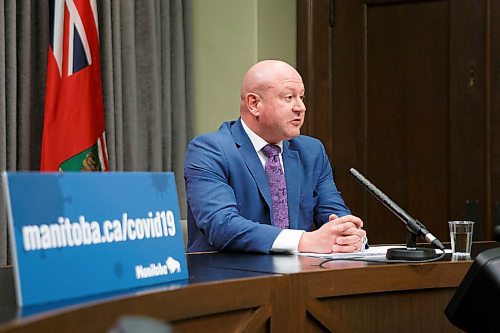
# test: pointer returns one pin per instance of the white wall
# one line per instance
(229, 36)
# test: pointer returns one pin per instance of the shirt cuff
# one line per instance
(287, 241)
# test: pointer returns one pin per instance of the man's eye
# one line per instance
(289, 97)
(302, 98)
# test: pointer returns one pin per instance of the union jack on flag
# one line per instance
(73, 133)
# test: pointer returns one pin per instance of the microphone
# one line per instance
(413, 225)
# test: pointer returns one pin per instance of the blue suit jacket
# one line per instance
(229, 206)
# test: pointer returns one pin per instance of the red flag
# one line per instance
(73, 132)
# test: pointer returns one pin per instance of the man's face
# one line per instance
(282, 110)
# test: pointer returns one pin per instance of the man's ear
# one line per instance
(252, 100)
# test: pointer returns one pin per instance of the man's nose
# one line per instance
(300, 106)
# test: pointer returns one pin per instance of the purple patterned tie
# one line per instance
(277, 185)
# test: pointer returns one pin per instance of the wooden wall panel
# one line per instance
(493, 115)
(407, 111)
(404, 92)
(467, 146)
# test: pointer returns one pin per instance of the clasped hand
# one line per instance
(340, 234)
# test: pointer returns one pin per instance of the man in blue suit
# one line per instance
(230, 206)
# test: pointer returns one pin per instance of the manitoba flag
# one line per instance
(73, 131)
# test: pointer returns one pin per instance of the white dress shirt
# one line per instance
(288, 239)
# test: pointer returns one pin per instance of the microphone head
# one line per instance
(437, 244)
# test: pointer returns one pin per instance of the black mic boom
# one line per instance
(412, 224)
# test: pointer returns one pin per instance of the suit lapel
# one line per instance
(292, 167)
(249, 156)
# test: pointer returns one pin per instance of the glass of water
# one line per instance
(461, 238)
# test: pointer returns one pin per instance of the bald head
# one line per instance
(265, 75)
(271, 102)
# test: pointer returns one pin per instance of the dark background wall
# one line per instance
(407, 92)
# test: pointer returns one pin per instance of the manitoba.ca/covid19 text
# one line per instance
(82, 232)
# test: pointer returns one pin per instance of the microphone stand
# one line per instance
(415, 228)
(412, 252)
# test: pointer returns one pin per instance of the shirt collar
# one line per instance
(257, 142)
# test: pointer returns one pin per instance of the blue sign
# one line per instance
(80, 234)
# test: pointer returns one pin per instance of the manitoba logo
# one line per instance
(170, 266)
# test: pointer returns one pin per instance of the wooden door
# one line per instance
(399, 90)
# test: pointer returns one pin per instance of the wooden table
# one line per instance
(229, 292)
